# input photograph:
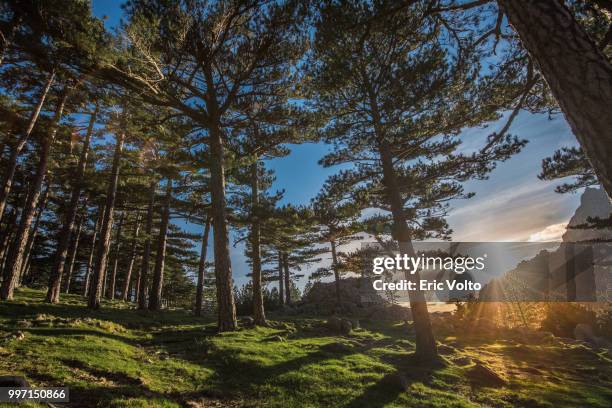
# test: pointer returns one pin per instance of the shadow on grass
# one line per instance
(410, 370)
(31, 303)
(122, 386)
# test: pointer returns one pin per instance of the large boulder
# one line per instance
(483, 375)
(355, 294)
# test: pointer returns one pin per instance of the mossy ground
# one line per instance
(119, 357)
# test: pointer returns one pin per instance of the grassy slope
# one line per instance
(118, 357)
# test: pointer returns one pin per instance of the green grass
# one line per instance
(119, 357)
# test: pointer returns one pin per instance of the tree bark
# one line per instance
(578, 73)
(11, 224)
(64, 239)
(110, 293)
(72, 252)
(16, 149)
(27, 258)
(281, 286)
(146, 252)
(102, 248)
(335, 268)
(223, 267)
(17, 250)
(92, 252)
(128, 273)
(426, 348)
(287, 279)
(259, 314)
(160, 257)
(202, 269)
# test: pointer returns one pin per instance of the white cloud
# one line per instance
(552, 232)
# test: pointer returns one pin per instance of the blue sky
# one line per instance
(512, 205)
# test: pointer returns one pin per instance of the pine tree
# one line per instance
(257, 44)
(338, 222)
(396, 100)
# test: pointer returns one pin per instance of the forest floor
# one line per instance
(119, 357)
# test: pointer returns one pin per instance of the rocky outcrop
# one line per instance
(357, 298)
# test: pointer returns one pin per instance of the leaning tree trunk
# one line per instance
(223, 267)
(426, 348)
(287, 279)
(9, 172)
(95, 292)
(335, 268)
(202, 269)
(72, 253)
(160, 257)
(110, 293)
(578, 73)
(27, 258)
(92, 251)
(128, 273)
(63, 242)
(17, 250)
(259, 314)
(281, 286)
(13, 226)
(7, 232)
(146, 252)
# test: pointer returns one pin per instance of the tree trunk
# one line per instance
(426, 348)
(223, 267)
(63, 242)
(160, 256)
(146, 252)
(7, 232)
(107, 222)
(578, 73)
(72, 252)
(281, 286)
(27, 258)
(202, 269)
(110, 294)
(16, 253)
(128, 273)
(92, 252)
(259, 314)
(287, 279)
(9, 173)
(335, 268)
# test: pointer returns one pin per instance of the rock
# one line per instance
(584, 332)
(337, 347)
(334, 324)
(396, 381)
(346, 326)
(408, 327)
(355, 294)
(247, 321)
(277, 338)
(355, 323)
(18, 335)
(601, 342)
(13, 381)
(462, 361)
(483, 375)
(24, 324)
(389, 313)
(446, 350)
